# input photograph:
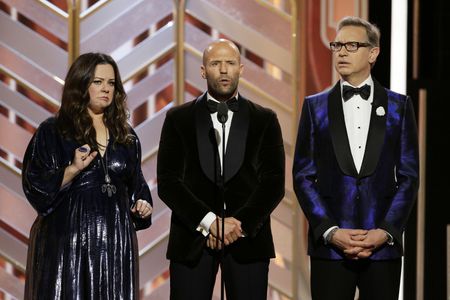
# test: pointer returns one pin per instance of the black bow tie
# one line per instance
(348, 92)
(232, 103)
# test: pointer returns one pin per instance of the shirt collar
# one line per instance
(368, 81)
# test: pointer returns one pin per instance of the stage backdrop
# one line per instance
(158, 46)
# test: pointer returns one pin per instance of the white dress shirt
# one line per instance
(209, 218)
(357, 112)
(357, 120)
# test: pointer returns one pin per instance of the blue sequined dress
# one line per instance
(83, 243)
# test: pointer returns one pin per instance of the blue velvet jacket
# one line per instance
(329, 188)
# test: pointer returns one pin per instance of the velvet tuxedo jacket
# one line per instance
(329, 188)
(189, 170)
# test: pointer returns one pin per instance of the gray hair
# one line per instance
(372, 31)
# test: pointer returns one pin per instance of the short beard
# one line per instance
(220, 96)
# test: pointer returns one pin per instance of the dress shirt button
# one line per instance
(359, 147)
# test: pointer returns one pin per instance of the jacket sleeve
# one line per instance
(407, 174)
(305, 176)
(271, 177)
(170, 173)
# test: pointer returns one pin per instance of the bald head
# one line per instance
(222, 68)
(220, 45)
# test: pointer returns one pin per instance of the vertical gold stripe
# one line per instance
(364, 9)
(300, 239)
(74, 30)
(421, 195)
(179, 50)
(294, 90)
(302, 77)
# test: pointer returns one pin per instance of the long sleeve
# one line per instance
(43, 169)
(305, 177)
(407, 174)
(138, 186)
(271, 177)
(172, 188)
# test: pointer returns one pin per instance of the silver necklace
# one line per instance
(107, 187)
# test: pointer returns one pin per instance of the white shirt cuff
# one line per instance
(325, 234)
(206, 222)
(390, 240)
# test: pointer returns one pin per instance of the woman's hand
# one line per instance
(142, 209)
(81, 159)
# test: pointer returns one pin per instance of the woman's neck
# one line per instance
(97, 118)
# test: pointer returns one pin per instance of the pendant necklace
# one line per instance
(107, 187)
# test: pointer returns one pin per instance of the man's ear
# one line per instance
(203, 71)
(373, 54)
(241, 69)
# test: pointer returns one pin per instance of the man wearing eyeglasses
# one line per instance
(356, 173)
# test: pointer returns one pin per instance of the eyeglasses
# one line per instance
(349, 46)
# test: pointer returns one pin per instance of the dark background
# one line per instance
(434, 67)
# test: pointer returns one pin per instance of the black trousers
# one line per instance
(338, 279)
(243, 281)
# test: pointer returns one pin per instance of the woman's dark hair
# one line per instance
(73, 119)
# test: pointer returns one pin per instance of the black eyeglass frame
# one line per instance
(338, 46)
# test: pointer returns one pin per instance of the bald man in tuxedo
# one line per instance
(190, 164)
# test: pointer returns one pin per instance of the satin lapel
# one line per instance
(206, 141)
(237, 140)
(338, 132)
(377, 130)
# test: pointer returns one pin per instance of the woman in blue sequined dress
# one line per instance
(82, 174)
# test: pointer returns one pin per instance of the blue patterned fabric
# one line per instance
(330, 190)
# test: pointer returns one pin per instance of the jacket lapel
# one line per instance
(206, 140)
(207, 144)
(237, 139)
(377, 130)
(338, 132)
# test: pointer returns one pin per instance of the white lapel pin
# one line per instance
(380, 111)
